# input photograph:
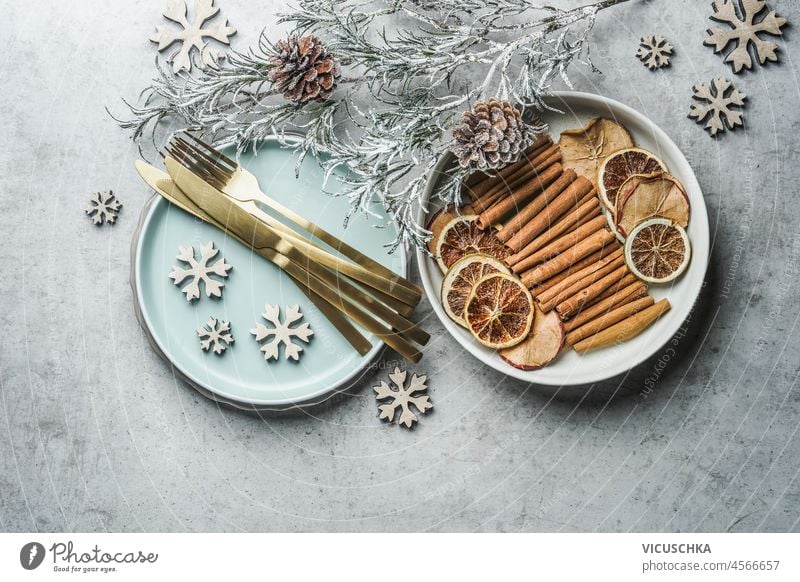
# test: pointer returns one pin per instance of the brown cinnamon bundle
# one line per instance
(526, 214)
(626, 281)
(541, 213)
(619, 298)
(579, 280)
(558, 278)
(519, 196)
(569, 257)
(625, 329)
(604, 321)
(561, 244)
(573, 305)
(504, 176)
(588, 208)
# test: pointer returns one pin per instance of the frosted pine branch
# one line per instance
(416, 81)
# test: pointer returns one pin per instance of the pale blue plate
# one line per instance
(241, 376)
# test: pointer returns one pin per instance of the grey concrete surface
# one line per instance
(96, 434)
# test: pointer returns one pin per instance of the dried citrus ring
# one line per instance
(620, 166)
(656, 196)
(657, 251)
(460, 280)
(462, 236)
(499, 311)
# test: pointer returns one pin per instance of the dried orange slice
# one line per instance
(462, 236)
(657, 251)
(460, 280)
(499, 311)
(656, 196)
(439, 220)
(620, 166)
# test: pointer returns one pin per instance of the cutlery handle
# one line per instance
(403, 326)
(392, 292)
(390, 338)
(338, 244)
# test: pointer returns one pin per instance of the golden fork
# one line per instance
(322, 296)
(229, 177)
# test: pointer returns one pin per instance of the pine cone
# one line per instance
(304, 69)
(490, 136)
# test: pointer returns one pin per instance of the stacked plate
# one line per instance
(240, 377)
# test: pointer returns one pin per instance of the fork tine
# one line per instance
(213, 151)
(191, 164)
(202, 157)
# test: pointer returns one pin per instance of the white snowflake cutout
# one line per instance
(717, 100)
(193, 34)
(103, 207)
(283, 332)
(215, 334)
(200, 271)
(654, 51)
(402, 398)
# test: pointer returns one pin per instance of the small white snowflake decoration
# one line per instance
(103, 207)
(200, 270)
(756, 19)
(193, 35)
(716, 102)
(282, 333)
(654, 51)
(215, 335)
(402, 398)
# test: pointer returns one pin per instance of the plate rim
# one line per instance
(283, 404)
(490, 359)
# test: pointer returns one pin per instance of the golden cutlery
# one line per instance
(163, 185)
(229, 177)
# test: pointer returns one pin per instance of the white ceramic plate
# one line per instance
(570, 368)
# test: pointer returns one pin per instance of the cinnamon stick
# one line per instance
(604, 321)
(579, 280)
(625, 329)
(519, 196)
(619, 298)
(529, 171)
(556, 279)
(563, 243)
(573, 305)
(540, 214)
(542, 143)
(549, 193)
(569, 257)
(627, 280)
(586, 209)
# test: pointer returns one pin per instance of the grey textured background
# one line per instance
(95, 434)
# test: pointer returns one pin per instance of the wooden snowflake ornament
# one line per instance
(402, 398)
(654, 52)
(282, 332)
(716, 102)
(193, 35)
(103, 208)
(756, 19)
(200, 271)
(215, 334)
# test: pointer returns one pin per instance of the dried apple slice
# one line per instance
(541, 346)
(619, 166)
(499, 311)
(462, 236)
(461, 278)
(655, 196)
(584, 149)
